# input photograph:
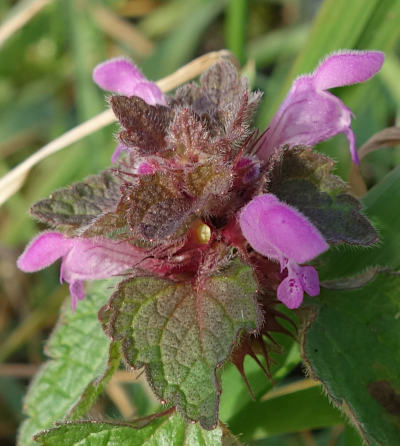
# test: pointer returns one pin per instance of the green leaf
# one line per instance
(302, 178)
(180, 45)
(181, 333)
(352, 347)
(82, 361)
(78, 204)
(303, 409)
(286, 42)
(235, 27)
(337, 25)
(379, 207)
(167, 431)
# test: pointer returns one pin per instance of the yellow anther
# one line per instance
(203, 233)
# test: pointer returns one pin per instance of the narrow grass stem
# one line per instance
(19, 16)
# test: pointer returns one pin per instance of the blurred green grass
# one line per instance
(46, 89)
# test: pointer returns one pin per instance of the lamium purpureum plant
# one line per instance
(209, 223)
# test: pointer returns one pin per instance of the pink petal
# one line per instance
(43, 250)
(91, 259)
(290, 292)
(145, 168)
(149, 92)
(276, 230)
(249, 223)
(309, 114)
(309, 280)
(123, 77)
(250, 167)
(77, 293)
(118, 75)
(306, 117)
(346, 68)
(117, 152)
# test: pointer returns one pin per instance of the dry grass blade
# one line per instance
(120, 398)
(14, 179)
(21, 14)
(290, 388)
(388, 137)
(138, 8)
(194, 69)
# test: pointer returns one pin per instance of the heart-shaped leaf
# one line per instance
(182, 333)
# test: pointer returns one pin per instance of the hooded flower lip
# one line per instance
(100, 258)
(82, 259)
(121, 76)
(280, 232)
(310, 114)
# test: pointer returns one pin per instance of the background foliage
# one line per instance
(46, 88)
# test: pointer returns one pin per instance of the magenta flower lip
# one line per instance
(310, 114)
(280, 232)
(82, 259)
(121, 76)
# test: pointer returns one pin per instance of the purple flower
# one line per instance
(310, 114)
(123, 77)
(82, 259)
(280, 232)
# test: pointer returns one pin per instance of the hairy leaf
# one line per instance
(303, 179)
(145, 124)
(79, 204)
(170, 430)
(82, 361)
(188, 134)
(351, 346)
(182, 333)
(379, 205)
(208, 179)
(151, 210)
(157, 209)
(222, 109)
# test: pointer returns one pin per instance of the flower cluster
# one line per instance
(210, 224)
(193, 165)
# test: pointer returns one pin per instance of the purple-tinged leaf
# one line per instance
(145, 124)
(75, 206)
(303, 179)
